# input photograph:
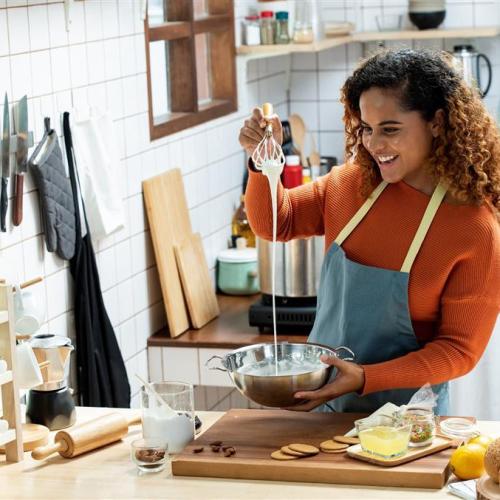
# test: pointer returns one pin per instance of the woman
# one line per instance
(411, 275)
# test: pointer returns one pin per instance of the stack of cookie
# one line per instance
(338, 444)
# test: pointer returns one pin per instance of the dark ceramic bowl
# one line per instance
(427, 20)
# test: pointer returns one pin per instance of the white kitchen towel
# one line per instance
(98, 165)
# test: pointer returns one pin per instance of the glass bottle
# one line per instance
(240, 227)
(267, 27)
(423, 426)
(281, 35)
(251, 30)
(303, 30)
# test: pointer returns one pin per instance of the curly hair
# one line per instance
(465, 155)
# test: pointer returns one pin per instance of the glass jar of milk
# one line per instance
(172, 421)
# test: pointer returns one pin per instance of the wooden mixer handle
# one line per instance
(42, 452)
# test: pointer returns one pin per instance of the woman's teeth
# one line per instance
(386, 159)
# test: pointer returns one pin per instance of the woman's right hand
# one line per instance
(253, 129)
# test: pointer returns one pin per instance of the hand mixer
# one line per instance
(268, 157)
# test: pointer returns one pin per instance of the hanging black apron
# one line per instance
(102, 377)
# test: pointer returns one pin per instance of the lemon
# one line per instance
(483, 440)
(467, 461)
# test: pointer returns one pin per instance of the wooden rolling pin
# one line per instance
(87, 436)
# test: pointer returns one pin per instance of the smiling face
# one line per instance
(399, 141)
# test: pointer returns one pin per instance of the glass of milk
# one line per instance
(175, 428)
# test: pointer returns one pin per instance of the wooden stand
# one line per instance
(487, 489)
(12, 439)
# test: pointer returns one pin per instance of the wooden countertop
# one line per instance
(229, 330)
(110, 473)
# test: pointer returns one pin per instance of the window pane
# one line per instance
(200, 8)
(156, 14)
(158, 54)
(203, 68)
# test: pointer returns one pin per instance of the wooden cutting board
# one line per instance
(196, 283)
(170, 225)
(257, 433)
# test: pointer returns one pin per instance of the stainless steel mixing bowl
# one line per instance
(277, 390)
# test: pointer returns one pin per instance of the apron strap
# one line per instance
(362, 211)
(430, 212)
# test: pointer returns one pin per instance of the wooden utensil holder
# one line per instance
(12, 439)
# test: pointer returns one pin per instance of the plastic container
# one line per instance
(459, 428)
(237, 271)
(266, 27)
(251, 30)
(281, 35)
(292, 173)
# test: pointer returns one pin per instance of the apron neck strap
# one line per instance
(425, 223)
(359, 215)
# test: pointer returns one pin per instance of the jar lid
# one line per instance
(267, 13)
(292, 160)
(458, 427)
(235, 255)
(282, 14)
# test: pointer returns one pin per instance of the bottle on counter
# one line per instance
(251, 30)
(306, 175)
(267, 27)
(240, 227)
(292, 173)
(282, 36)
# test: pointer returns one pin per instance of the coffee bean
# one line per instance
(198, 450)
(229, 451)
(216, 443)
(215, 449)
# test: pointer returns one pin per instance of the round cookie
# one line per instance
(279, 455)
(333, 452)
(307, 449)
(346, 439)
(288, 451)
(330, 445)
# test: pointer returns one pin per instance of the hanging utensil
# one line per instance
(21, 129)
(4, 197)
(299, 135)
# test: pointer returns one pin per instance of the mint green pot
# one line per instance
(237, 272)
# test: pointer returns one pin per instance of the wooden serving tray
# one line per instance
(439, 443)
(257, 433)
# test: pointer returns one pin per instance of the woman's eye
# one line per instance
(366, 130)
(390, 130)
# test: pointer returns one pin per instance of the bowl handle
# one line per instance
(349, 358)
(215, 367)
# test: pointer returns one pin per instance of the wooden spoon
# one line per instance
(298, 128)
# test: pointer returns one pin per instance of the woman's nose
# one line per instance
(376, 143)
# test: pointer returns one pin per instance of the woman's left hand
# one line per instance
(350, 378)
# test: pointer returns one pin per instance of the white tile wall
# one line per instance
(101, 61)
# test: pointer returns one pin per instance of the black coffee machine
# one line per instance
(51, 403)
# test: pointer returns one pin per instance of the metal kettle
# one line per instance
(469, 61)
(57, 350)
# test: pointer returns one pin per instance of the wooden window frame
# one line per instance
(180, 31)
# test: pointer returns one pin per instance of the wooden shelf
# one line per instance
(6, 377)
(7, 436)
(260, 51)
(4, 317)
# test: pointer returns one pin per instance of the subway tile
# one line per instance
(93, 20)
(60, 68)
(332, 144)
(76, 33)
(32, 257)
(5, 78)
(16, 3)
(12, 265)
(486, 14)
(123, 260)
(127, 56)
(18, 30)
(128, 343)
(330, 116)
(458, 16)
(106, 262)
(304, 86)
(330, 83)
(78, 65)
(333, 59)
(21, 76)
(307, 61)
(57, 293)
(111, 302)
(4, 34)
(138, 251)
(57, 25)
(95, 58)
(125, 299)
(308, 111)
(38, 27)
(126, 17)
(155, 364)
(110, 27)
(97, 96)
(40, 68)
(112, 58)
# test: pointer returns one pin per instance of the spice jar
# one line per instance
(266, 27)
(251, 30)
(423, 426)
(281, 35)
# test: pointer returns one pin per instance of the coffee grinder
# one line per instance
(51, 403)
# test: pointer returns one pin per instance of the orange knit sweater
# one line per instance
(454, 286)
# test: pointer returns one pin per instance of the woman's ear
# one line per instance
(437, 123)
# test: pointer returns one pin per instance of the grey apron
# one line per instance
(366, 309)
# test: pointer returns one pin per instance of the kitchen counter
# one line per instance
(110, 473)
(229, 330)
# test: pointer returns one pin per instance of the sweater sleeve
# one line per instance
(470, 305)
(300, 210)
